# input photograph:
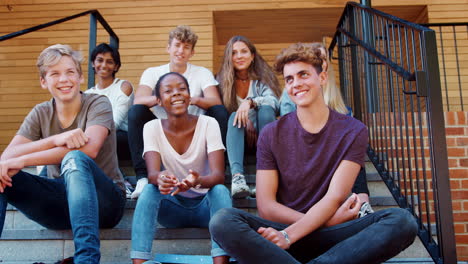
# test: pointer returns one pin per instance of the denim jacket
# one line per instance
(263, 95)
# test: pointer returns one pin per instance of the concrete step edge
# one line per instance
(105, 234)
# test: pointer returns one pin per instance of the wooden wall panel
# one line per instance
(142, 27)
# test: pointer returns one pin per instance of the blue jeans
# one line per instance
(371, 239)
(173, 212)
(83, 198)
(235, 138)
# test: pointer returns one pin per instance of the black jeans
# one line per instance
(139, 115)
(370, 239)
(123, 150)
(360, 185)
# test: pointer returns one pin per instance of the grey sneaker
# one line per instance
(365, 210)
(239, 187)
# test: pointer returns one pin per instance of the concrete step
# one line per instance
(24, 241)
(118, 251)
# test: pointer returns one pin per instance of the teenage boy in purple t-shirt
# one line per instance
(307, 163)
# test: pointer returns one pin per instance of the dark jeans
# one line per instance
(360, 185)
(139, 115)
(370, 239)
(83, 199)
(123, 150)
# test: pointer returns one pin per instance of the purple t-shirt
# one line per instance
(306, 162)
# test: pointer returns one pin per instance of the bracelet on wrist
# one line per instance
(286, 236)
(252, 102)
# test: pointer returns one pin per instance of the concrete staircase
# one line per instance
(23, 241)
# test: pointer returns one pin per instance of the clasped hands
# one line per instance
(346, 212)
(274, 236)
(168, 183)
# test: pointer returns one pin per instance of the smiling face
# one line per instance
(180, 52)
(104, 65)
(303, 83)
(63, 80)
(174, 94)
(242, 57)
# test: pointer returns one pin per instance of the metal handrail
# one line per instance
(94, 16)
(452, 103)
(389, 73)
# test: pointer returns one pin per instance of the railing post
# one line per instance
(341, 66)
(114, 42)
(370, 76)
(357, 112)
(439, 146)
(92, 45)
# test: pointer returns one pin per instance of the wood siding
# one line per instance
(143, 27)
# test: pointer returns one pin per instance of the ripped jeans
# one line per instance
(83, 198)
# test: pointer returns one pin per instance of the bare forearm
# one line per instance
(205, 102)
(316, 217)
(45, 157)
(279, 213)
(27, 148)
(149, 101)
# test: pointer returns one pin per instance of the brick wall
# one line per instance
(456, 129)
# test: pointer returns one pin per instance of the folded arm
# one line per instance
(322, 211)
(144, 95)
(317, 216)
(23, 152)
(210, 98)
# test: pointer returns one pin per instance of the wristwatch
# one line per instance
(286, 236)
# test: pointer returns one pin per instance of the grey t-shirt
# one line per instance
(43, 122)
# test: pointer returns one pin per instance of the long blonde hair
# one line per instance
(258, 70)
(331, 91)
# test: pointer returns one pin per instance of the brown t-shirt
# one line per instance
(43, 122)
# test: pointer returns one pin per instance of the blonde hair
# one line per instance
(51, 56)
(184, 34)
(258, 70)
(315, 54)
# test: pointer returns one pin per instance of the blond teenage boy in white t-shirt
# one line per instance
(205, 98)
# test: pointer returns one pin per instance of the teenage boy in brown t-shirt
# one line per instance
(74, 135)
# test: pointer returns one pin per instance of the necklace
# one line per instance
(244, 80)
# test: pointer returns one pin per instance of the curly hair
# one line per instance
(315, 54)
(51, 56)
(184, 34)
(258, 70)
(308, 53)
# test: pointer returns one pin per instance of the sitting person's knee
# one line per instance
(266, 113)
(220, 189)
(71, 157)
(135, 112)
(406, 221)
(218, 220)
(231, 117)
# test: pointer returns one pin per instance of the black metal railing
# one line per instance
(94, 17)
(389, 74)
(453, 67)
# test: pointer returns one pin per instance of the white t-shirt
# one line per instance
(120, 102)
(199, 78)
(206, 139)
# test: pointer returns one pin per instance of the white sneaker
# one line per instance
(366, 209)
(239, 187)
(139, 187)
